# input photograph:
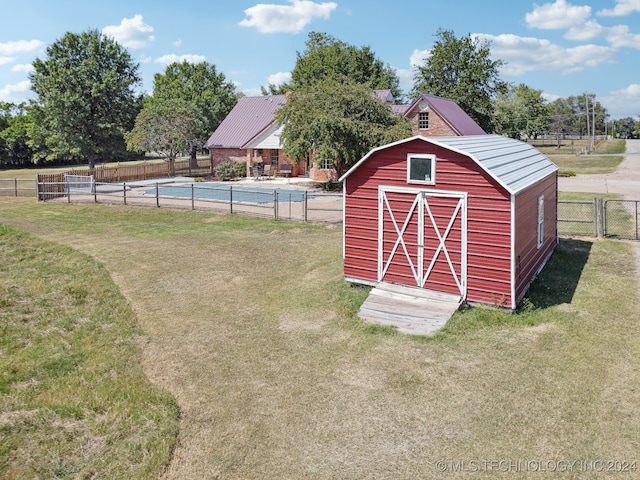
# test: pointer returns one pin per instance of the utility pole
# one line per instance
(586, 102)
(593, 123)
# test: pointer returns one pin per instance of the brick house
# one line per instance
(249, 133)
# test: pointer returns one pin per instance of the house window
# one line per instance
(540, 220)
(326, 164)
(274, 157)
(423, 120)
(421, 169)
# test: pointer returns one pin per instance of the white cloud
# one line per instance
(619, 36)
(173, 58)
(22, 67)
(21, 46)
(624, 102)
(418, 57)
(551, 97)
(131, 33)
(177, 43)
(556, 16)
(16, 93)
(587, 31)
(4, 60)
(525, 54)
(269, 18)
(622, 8)
(279, 78)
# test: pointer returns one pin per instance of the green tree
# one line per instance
(201, 85)
(461, 70)
(86, 97)
(623, 127)
(327, 58)
(15, 136)
(561, 119)
(521, 111)
(337, 120)
(168, 127)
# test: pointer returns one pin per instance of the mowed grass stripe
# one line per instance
(74, 402)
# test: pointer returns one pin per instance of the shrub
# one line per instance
(227, 170)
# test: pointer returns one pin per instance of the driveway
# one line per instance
(624, 181)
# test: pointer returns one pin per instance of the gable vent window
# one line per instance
(423, 120)
(421, 169)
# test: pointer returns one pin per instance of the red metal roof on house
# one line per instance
(250, 117)
(451, 113)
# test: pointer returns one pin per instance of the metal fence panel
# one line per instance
(622, 219)
(17, 187)
(577, 217)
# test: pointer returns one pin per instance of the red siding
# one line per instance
(488, 225)
(529, 258)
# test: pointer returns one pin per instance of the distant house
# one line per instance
(249, 133)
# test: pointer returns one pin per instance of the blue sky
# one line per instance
(562, 47)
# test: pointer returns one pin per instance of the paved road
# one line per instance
(624, 181)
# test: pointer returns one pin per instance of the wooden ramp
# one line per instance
(411, 310)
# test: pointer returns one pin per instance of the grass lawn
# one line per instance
(252, 329)
(587, 164)
(569, 147)
(74, 401)
(595, 163)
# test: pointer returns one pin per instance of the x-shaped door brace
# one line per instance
(421, 203)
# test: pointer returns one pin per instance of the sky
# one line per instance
(561, 47)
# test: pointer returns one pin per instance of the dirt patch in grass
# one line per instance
(253, 331)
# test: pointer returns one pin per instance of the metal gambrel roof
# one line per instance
(513, 164)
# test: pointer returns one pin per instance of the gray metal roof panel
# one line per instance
(513, 164)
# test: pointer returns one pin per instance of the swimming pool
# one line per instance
(231, 193)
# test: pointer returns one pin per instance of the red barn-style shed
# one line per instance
(474, 216)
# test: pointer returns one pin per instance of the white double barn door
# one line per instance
(422, 238)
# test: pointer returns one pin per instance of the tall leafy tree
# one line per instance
(461, 69)
(337, 120)
(328, 58)
(626, 126)
(521, 111)
(169, 127)
(561, 119)
(15, 123)
(86, 97)
(201, 85)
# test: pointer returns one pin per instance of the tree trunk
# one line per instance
(194, 156)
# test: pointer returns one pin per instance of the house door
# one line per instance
(422, 239)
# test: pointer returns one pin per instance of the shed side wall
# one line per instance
(529, 258)
(488, 224)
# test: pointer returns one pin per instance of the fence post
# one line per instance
(157, 196)
(15, 184)
(600, 217)
(68, 193)
(124, 192)
(304, 206)
(230, 198)
(275, 204)
(193, 207)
